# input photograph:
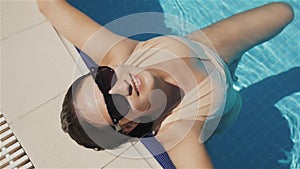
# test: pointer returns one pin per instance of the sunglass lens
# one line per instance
(121, 104)
(106, 77)
(118, 105)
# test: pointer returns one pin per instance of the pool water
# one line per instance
(266, 133)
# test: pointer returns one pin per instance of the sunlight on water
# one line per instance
(290, 110)
(268, 59)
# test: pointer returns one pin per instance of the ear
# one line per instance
(128, 127)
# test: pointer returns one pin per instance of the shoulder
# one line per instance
(186, 151)
(171, 44)
(174, 133)
(121, 50)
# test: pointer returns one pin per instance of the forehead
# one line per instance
(89, 103)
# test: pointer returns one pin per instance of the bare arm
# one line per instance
(233, 36)
(188, 153)
(79, 28)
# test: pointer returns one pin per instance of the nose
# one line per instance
(121, 87)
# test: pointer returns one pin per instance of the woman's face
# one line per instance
(136, 85)
(140, 87)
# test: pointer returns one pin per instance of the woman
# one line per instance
(179, 89)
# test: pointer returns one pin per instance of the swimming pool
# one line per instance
(266, 134)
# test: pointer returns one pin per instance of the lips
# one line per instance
(136, 82)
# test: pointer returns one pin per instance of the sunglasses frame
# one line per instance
(115, 115)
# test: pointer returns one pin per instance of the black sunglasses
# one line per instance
(117, 105)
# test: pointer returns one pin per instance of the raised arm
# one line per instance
(233, 36)
(79, 28)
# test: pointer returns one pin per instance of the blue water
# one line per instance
(266, 133)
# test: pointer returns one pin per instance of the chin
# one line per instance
(148, 84)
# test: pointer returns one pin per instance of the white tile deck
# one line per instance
(146, 155)
(48, 146)
(129, 159)
(74, 55)
(35, 67)
(18, 15)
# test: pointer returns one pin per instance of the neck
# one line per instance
(173, 93)
(170, 88)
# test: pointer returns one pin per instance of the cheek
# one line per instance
(153, 108)
(140, 106)
(155, 102)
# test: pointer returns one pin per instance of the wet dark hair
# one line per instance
(98, 138)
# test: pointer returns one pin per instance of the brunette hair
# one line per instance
(76, 126)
